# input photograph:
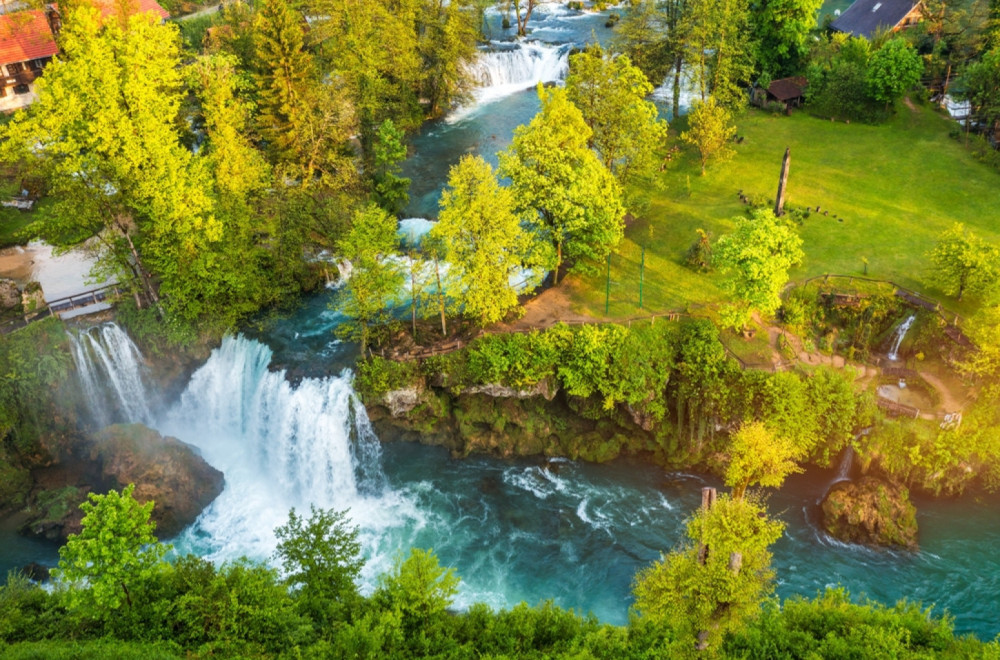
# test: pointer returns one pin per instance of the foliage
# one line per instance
(781, 31)
(611, 94)
(321, 557)
(711, 132)
(758, 456)
(560, 184)
(964, 262)
(719, 49)
(484, 242)
(418, 592)
(838, 80)
(375, 278)
(980, 86)
(699, 590)
(756, 257)
(892, 70)
(115, 551)
(699, 255)
(391, 190)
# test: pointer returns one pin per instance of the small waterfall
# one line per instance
(280, 446)
(505, 71)
(112, 375)
(844, 468)
(900, 333)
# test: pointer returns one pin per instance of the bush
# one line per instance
(376, 376)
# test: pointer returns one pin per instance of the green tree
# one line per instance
(718, 579)
(104, 135)
(625, 129)
(893, 69)
(964, 262)
(758, 456)
(115, 550)
(484, 239)
(720, 53)
(375, 278)
(391, 190)
(756, 258)
(561, 185)
(321, 557)
(781, 30)
(710, 131)
(419, 591)
(981, 88)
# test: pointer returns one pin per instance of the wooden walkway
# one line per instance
(60, 306)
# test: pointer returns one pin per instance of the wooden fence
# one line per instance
(62, 305)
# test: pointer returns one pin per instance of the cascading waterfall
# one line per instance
(844, 467)
(280, 446)
(900, 333)
(505, 71)
(112, 375)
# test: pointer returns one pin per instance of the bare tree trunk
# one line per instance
(440, 295)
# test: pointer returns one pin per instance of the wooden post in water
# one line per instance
(779, 202)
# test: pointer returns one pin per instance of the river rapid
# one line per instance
(517, 530)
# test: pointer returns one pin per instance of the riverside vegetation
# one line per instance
(300, 129)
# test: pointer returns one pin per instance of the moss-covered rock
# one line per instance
(872, 512)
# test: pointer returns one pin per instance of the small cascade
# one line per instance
(280, 446)
(844, 468)
(505, 71)
(111, 373)
(898, 340)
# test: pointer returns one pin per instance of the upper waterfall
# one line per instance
(112, 375)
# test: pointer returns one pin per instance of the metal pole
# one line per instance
(642, 270)
(607, 287)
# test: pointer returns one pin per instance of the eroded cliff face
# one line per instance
(506, 422)
(872, 512)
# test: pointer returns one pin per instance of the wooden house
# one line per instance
(789, 91)
(866, 17)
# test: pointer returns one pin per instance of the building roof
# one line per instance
(24, 36)
(865, 17)
(111, 7)
(787, 88)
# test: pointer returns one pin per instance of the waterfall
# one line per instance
(111, 373)
(844, 468)
(505, 71)
(280, 446)
(900, 333)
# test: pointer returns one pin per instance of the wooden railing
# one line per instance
(62, 305)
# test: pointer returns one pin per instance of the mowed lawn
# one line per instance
(894, 188)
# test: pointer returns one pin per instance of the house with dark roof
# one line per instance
(28, 43)
(866, 17)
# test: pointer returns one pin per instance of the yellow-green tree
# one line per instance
(484, 241)
(757, 456)
(561, 186)
(710, 131)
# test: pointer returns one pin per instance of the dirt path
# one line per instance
(545, 310)
(949, 402)
(909, 104)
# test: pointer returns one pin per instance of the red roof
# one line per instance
(111, 7)
(25, 35)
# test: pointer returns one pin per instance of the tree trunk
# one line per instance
(678, 62)
(440, 296)
(555, 273)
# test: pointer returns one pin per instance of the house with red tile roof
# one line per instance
(28, 43)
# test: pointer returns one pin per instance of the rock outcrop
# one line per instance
(163, 469)
(872, 512)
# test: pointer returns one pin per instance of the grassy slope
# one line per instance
(896, 187)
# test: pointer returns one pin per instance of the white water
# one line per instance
(900, 334)
(280, 446)
(413, 230)
(106, 355)
(506, 71)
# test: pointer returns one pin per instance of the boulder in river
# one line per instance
(872, 512)
(163, 469)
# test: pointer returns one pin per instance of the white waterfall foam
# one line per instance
(900, 333)
(505, 71)
(280, 446)
(112, 375)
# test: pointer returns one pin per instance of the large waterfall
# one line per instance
(280, 446)
(112, 375)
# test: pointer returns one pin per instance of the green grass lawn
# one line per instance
(894, 188)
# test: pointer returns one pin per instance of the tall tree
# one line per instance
(758, 456)
(522, 12)
(114, 551)
(485, 243)
(720, 53)
(710, 131)
(756, 258)
(391, 190)
(104, 135)
(781, 30)
(625, 129)
(893, 69)
(562, 186)
(717, 579)
(376, 278)
(981, 88)
(964, 262)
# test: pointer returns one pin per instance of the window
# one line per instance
(21, 89)
(14, 67)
